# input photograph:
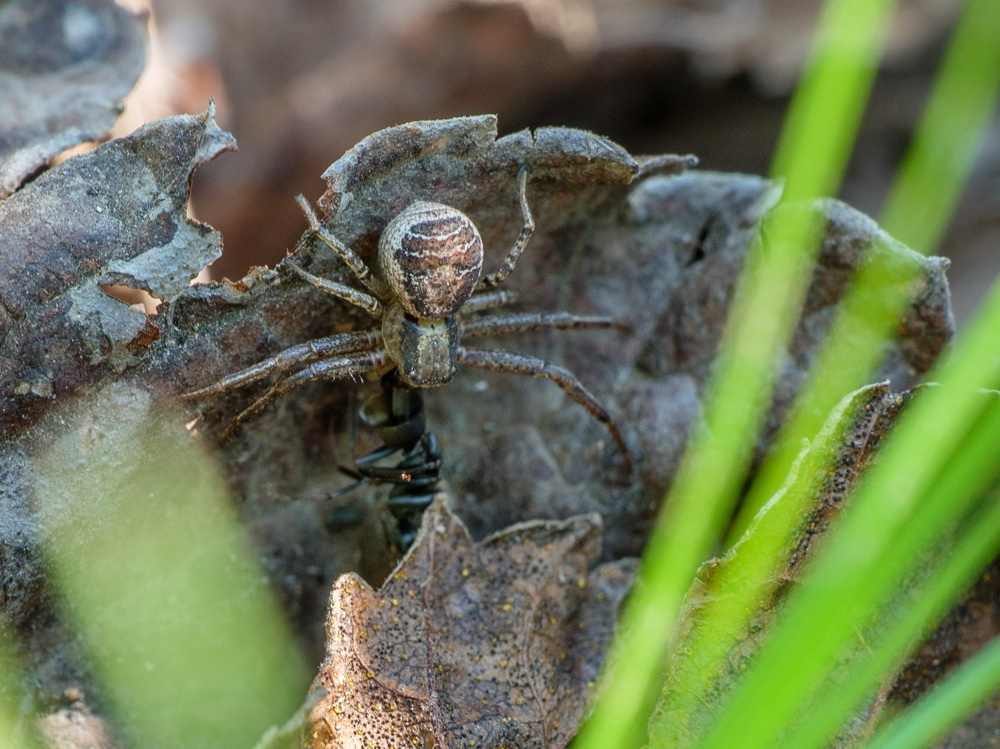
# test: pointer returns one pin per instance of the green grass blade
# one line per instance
(831, 99)
(866, 321)
(860, 561)
(957, 697)
(160, 581)
(736, 594)
(937, 164)
(824, 116)
(852, 348)
(957, 117)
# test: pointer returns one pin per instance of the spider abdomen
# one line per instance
(431, 256)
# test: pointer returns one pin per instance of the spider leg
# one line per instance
(522, 364)
(329, 369)
(523, 322)
(343, 491)
(375, 285)
(367, 302)
(507, 267)
(303, 353)
(485, 300)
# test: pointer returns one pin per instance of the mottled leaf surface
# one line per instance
(65, 66)
(115, 216)
(494, 644)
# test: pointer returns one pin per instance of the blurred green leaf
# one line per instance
(160, 581)
(16, 725)
(949, 137)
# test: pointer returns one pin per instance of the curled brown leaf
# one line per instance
(491, 644)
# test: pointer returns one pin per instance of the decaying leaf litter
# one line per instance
(659, 253)
(489, 644)
(64, 69)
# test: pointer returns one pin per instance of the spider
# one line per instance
(430, 257)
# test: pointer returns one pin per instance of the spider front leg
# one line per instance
(367, 302)
(522, 364)
(351, 259)
(290, 358)
(507, 267)
(353, 365)
(484, 300)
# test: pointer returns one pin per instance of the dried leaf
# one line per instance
(669, 282)
(576, 177)
(490, 645)
(439, 159)
(117, 215)
(661, 255)
(972, 623)
(64, 69)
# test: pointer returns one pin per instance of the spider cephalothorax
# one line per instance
(430, 259)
